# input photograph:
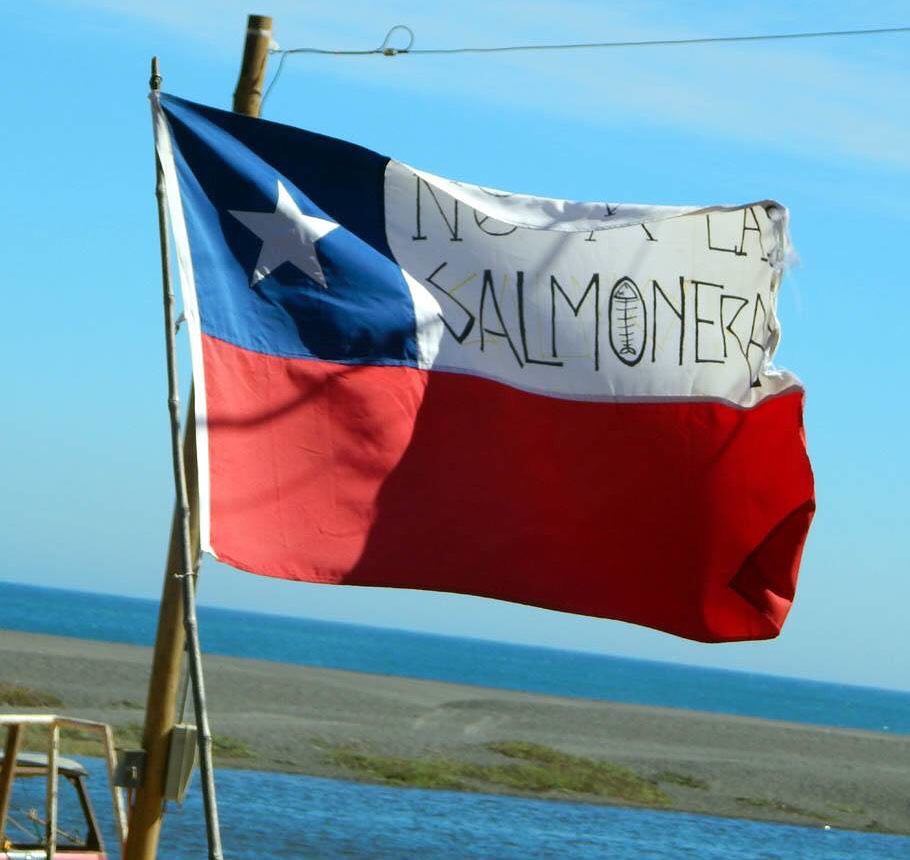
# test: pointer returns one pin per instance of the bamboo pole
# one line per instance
(170, 641)
(188, 551)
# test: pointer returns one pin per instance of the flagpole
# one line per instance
(182, 531)
(170, 641)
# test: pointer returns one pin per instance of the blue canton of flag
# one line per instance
(289, 252)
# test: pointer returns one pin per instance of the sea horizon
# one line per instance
(205, 606)
(475, 661)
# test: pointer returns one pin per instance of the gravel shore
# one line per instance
(290, 718)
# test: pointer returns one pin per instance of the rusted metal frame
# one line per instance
(15, 723)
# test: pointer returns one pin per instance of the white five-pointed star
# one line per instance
(288, 236)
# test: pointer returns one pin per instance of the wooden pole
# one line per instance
(50, 824)
(188, 548)
(248, 93)
(170, 641)
(117, 793)
(8, 772)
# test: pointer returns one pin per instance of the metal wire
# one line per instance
(386, 50)
(653, 43)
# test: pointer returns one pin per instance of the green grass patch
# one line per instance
(543, 768)
(225, 746)
(25, 697)
(778, 806)
(78, 742)
(127, 736)
(684, 780)
(533, 769)
(418, 773)
(72, 741)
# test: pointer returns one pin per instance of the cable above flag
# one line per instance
(408, 381)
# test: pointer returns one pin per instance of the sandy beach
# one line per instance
(292, 718)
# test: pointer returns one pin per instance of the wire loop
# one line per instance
(388, 50)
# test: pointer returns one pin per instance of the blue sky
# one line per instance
(822, 126)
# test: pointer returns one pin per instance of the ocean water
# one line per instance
(279, 815)
(466, 661)
(275, 815)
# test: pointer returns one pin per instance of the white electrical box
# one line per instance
(181, 759)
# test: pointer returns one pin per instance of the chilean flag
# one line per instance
(408, 381)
